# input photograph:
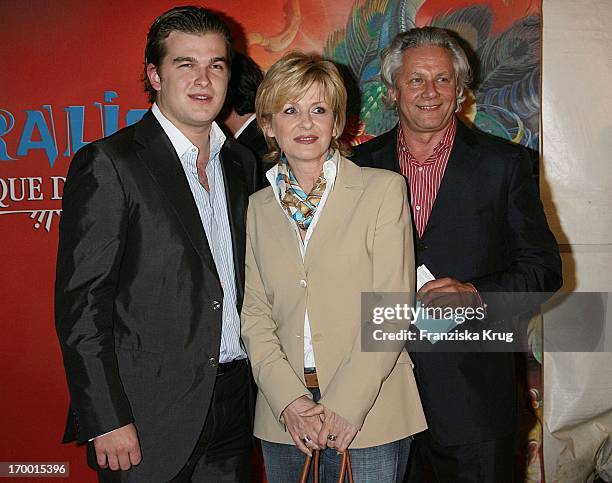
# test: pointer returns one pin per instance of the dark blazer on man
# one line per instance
(487, 227)
(253, 138)
(138, 297)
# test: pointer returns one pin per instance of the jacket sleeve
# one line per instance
(271, 370)
(535, 264)
(92, 236)
(393, 271)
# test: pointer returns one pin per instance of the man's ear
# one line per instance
(154, 77)
(392, 94)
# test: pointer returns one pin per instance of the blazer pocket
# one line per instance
(133, 362)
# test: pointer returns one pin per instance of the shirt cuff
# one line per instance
(108, 432)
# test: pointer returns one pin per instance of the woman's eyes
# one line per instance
(314, 110)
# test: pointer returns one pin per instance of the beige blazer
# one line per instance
(362, 243)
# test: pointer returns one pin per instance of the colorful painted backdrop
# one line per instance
(71, 74)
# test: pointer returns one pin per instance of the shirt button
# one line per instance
(212, 362)
(417, 207)
(215, 305)
(420, 168)
(303, 283)
(193, 150)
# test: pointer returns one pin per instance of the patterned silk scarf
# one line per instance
(298, 205)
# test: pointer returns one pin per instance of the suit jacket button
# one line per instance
(303, 283)
(213, 362)
(215, 305)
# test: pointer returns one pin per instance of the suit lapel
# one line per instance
(282, 229)
(386, 156)
(236, 196)
(160, 158)
(339, 206)
(457, 179)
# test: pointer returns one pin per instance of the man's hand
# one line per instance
(302, 427)
(335, 426)
(118, 449)
(449, 292)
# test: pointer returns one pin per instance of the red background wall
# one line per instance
(64, 54)
(69, 53)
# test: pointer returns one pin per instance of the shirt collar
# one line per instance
(244, 126)
(330, 171)
(216, 139)
(181, 143)
(443, 145)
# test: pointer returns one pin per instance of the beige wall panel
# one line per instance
(576, 187)
(577, 119)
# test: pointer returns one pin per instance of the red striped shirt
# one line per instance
(424, 178)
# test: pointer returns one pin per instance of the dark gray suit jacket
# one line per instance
(487, 227)
(137, 297)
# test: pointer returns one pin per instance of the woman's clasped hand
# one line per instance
(315, 427)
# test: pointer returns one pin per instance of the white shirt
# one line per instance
(330, 170)
(212, 207)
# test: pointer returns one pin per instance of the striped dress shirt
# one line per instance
(212, 207)
(424, 178)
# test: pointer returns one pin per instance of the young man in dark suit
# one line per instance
(480, 228)
(150, 274)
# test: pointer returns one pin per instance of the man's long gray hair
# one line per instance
(391, 57)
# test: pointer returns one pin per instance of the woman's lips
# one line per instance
(306, 139)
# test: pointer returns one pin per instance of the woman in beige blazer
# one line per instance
(324, 231)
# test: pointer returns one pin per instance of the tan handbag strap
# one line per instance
(345, 468)
(306, 469)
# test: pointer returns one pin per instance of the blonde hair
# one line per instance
(288, 80)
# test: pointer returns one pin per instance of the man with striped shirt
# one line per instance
(479, 228)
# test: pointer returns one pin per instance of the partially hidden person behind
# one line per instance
(238, 114)
(323, 232)
(150, 274)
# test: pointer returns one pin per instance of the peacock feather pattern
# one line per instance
(506, 88)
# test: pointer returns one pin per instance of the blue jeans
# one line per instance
(379, 464)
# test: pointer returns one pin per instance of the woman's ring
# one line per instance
(306, 440)
(331, 437)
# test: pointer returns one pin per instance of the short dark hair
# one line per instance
(189, 20)
(246, 77)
